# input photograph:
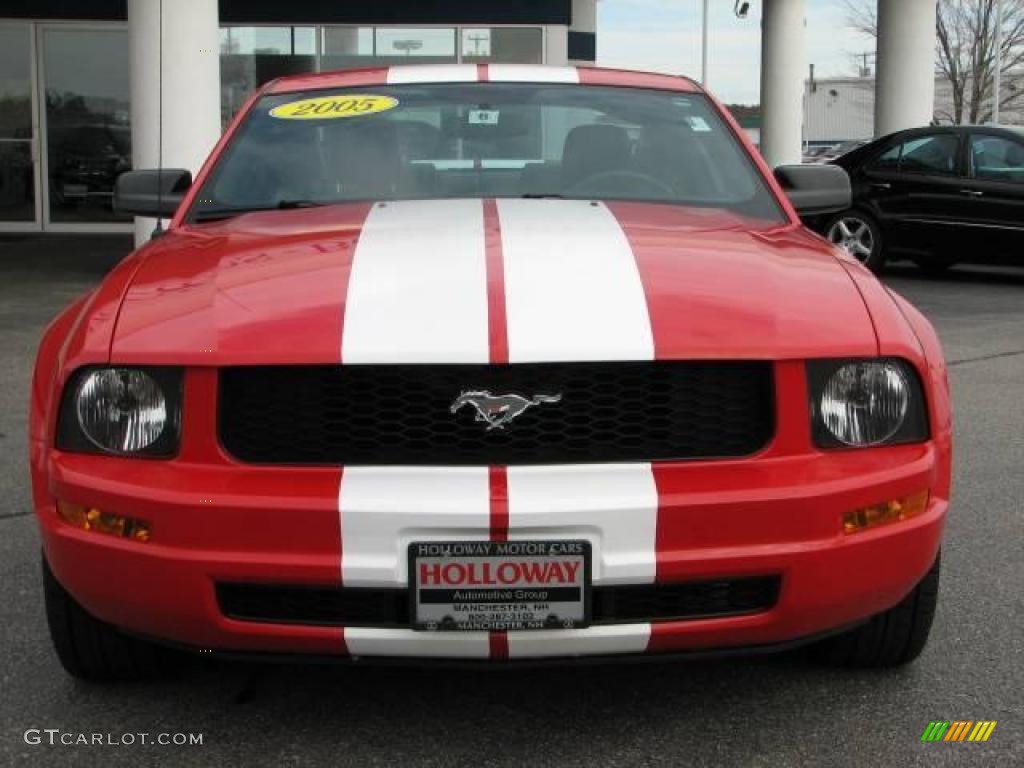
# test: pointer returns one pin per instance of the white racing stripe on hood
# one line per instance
(572, 287)
(418, 288)
(417, 293)
(573, 292)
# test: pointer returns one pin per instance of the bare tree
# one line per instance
(965, 52)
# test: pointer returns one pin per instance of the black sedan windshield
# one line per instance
(484, 140)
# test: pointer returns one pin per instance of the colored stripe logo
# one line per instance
(958, 730)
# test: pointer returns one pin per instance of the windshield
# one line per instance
(483, 140)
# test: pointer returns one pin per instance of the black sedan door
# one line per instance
(922, 203)
(995, 192)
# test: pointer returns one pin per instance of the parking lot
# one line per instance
(772, 711)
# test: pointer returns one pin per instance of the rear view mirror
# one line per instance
(151, 193)
(815, 189)
(485, 123)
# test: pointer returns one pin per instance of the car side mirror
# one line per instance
(155, 193)
(815, 189)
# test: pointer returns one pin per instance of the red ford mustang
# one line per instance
(487, 363)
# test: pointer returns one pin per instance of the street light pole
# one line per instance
(704, 46)
(998, 61)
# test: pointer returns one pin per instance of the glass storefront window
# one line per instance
(80, 112)
(280, 41)
(505, 45)
(425, 45)
(346, 47)
(15, 83)
(17, 185)
(88, 138)
(250, 56)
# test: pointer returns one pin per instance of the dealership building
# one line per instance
(91, 88)
(839, 109)
(80, 80)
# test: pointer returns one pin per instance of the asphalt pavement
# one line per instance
(774, 711)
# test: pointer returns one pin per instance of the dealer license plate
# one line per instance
(499, 585)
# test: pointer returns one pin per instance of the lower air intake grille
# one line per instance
(402, 414)
(353, 606)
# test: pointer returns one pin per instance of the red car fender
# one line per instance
(940, 402)
(47, 364)
(903, 332)
(80, 335)
(44, 392)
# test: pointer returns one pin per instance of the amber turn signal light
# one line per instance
(92, 519)
(887, 512)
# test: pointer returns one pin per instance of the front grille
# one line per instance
(400, 414)
(663, 602)
(357, 606)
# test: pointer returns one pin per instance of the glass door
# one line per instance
(19, 173)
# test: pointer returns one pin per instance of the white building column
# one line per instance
(583, 33)
(175, 77)
(783, 68)
(556, 45)
(905, 79)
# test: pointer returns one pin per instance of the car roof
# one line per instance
(855, 157)
(988, 127)
(1016, 130)
(471, 73)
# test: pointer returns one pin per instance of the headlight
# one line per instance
(859, 403)
(126, 411)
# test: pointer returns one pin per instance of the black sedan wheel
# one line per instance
(860, 236)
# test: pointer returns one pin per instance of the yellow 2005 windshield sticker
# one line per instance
(330, 107)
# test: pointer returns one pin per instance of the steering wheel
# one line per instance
(598, 183)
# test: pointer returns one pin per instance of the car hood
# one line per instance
(444, 281)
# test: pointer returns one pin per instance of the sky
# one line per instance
(664, 36)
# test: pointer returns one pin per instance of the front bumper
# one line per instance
(227, 522)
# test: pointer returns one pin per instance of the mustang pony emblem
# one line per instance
(498, 410)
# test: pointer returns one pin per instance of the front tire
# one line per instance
(859, 235)
(93, 650)
(890, 639)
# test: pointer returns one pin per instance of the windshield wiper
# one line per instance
(226, 213)
(285, 204)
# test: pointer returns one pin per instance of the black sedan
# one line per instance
(937, 195)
